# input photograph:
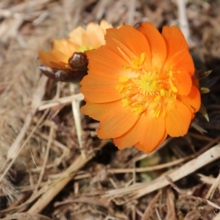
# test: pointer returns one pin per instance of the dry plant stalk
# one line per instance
(26, 216)
(183, 22)
(56, 186)
(20, 73)
(217, 217)
(60, 101)
(170, 201)
(213, 187)
(149, 208)
(36, 100)
(138, 190)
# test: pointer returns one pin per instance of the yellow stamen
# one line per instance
(174, 89)
(123, 79)
(147, 90)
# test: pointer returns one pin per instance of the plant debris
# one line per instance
(51, 171)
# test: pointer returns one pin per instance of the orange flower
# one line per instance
(80, 40)
(139, 86)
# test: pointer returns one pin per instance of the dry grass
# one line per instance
(49, 170)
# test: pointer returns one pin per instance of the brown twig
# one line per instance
(150, 206)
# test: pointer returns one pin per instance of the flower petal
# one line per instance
(128, 139)
(131, 137)
(116, 121)
(45, 58)
(143, 146)
(175, 40)
(180, 61)
(92, 36)
(183, 83)
(105, 25)
(147, 133)
(153, 130)
(64, 46)
(96, 111)
(54, 59)
(77, 35)
(156, 42)
(133, 46)
(95, 35)
(192, 100)
(99, 90)
(104, 62)
(177, 119)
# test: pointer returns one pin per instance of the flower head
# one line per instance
(67, 54)
(141, 87)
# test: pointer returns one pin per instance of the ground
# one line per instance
(44, 172)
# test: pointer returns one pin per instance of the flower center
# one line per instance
(148, 83)
(147, 90)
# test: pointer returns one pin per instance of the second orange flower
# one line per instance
(66, 59)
